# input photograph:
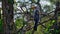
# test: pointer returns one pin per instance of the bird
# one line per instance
(36, 19)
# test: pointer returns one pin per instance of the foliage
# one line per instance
(11, 1)
(19, 23)
(1, 25)
(49, 25)
(54, 1)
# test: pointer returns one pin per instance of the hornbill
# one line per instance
(36, 19)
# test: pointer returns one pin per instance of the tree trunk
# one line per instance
(8, 17)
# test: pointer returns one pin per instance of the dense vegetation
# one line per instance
(20, 20)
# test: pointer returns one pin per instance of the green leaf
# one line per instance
(11, 1)
(19, 23)
(1, 25)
